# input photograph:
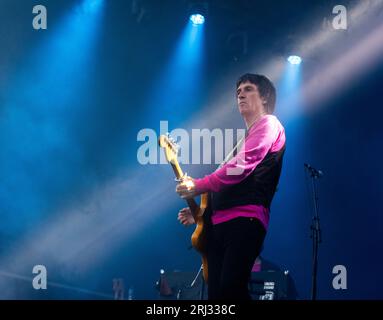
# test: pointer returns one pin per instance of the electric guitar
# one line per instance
(198, 238)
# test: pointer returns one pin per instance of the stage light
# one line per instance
(197, 19)
(198, 12)
(294, 59)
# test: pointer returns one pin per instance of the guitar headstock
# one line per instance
(170, 147)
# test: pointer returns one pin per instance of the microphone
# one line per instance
(314, 172)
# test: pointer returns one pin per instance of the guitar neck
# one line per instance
(179, 174)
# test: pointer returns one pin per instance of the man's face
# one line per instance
(249, 101)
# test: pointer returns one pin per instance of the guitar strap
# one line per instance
(234, 151)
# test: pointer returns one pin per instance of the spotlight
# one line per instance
(197, 19)
(294, 59)
(198, 11)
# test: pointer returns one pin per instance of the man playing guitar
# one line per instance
(241, 191)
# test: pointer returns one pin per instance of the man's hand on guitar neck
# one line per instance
(185, 217)
(186, 188)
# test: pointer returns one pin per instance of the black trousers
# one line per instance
(232, 249)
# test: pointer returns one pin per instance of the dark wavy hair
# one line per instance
(265, 87)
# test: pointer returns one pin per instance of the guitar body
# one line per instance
(199, 236)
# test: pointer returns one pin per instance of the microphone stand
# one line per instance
(315, 229)
(202, 280)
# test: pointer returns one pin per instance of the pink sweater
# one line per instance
(266, 135)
